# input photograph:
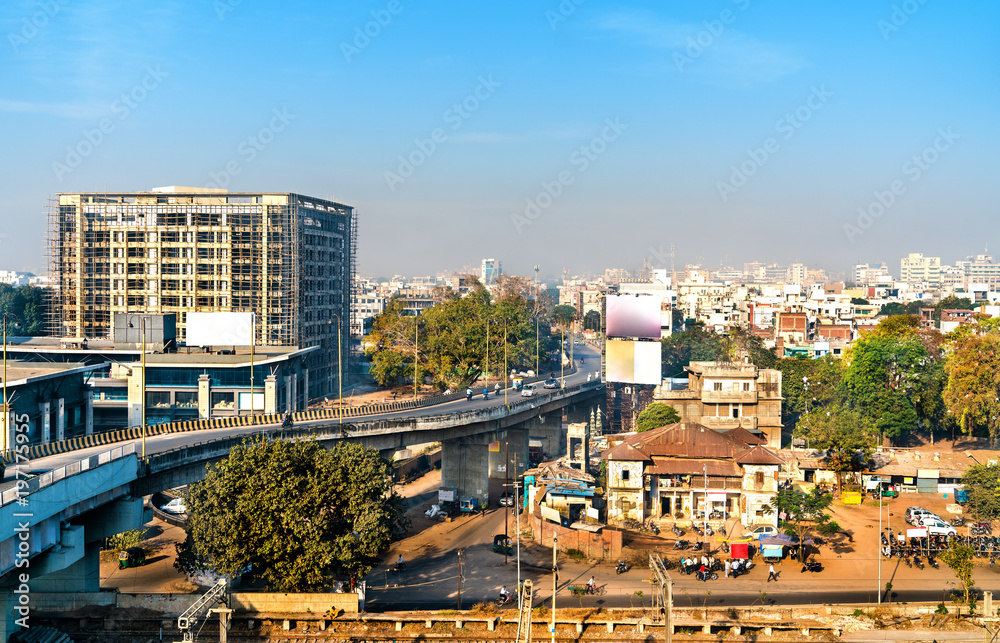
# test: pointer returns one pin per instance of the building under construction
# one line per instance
(288, 258)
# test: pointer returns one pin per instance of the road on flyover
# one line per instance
(166, 442)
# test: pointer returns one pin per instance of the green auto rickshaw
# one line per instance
(501, 545)
(132, 557)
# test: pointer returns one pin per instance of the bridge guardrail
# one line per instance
(47, 478)
(353, 430)
(134, 433)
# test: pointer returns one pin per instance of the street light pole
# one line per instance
(705, 470)
(6, 444)
(555, 584)
(142, 326)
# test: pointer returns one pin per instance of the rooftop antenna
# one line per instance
(536, 275)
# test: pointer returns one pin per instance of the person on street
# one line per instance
(504, 594)
(486, 393)
(771, 574)
(468, 394)
(591, 585)
(727, 569)
(399, 562)
(496, 388)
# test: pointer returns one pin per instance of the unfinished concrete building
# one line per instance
(288, 258)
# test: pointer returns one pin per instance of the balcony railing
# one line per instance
(722, 422)
(744, 397)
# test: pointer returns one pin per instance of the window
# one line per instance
(736, 411)
(746, 386)
(759, 478)
(717, 386)
(625, 473)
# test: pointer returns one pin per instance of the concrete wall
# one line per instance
(176, 604)
(605, 545)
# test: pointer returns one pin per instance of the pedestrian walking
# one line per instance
(727, 569)
(771, 574)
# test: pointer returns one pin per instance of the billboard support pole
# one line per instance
(253, 340)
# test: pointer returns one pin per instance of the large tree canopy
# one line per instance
(972, 394)
(460, 338)
(294, 513)
(656, 415)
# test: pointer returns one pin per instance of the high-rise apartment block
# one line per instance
(490, 271)
(286, 257)
(917, 269)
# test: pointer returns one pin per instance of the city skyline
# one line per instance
(562, 134)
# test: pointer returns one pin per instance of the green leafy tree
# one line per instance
(962, 560)
(656, 415)
(807, 384)
(983, 484)
(844, 434)
(697, 344)
(972, 393)
(29, 304)
(884, 375)
(858, 301)
(897, 308)
(803, 512)
(592, 321)
(563, 315)
(293, 512)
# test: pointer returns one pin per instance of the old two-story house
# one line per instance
(677, 472)
(729, 395)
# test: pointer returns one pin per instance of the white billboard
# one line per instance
(633, 316)
(632, 362)
(219, 329)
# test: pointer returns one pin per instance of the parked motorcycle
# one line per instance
(286, 423)
(812, 566)
(681, 544)
(677, 530)
(933, 562)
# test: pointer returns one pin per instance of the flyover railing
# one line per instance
(28, 482)
(167, 459)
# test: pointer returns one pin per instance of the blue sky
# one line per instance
(583, 134)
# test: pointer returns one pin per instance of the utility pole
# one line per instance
(555, 583)
(506, 486)
(460, 578)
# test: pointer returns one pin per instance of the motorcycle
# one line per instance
(917, 562)
(286, 423)
(677, 530)
(740, 567)
(503, 599)
(933, 562)
(715, 515)
(695, 546)
(653, 528)
(621, 567)
(698, 530)
(681, 544)
(707, 576)
(812, 566)
(957, 522)
(708, 530)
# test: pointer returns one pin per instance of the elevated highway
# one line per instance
(56, 510)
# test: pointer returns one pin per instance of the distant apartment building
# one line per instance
(796, 273)
(870, 274)
(14, 278)
(918, 269)
(286, 257)
(614, 276)
(980, 269)
(490, 271)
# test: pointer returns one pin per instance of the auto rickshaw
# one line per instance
(501, 545)
(132, 557)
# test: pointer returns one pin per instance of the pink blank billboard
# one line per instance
(633, 316)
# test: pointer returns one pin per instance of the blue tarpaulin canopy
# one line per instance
(782, 539)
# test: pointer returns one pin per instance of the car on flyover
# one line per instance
(175, 506)
(551, 383)
(528, 391)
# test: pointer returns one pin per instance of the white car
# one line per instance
(763, 530)
(175, 506)
(550, 383)
(528, 391)
(937, 527)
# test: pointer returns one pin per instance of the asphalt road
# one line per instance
(160, 443)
